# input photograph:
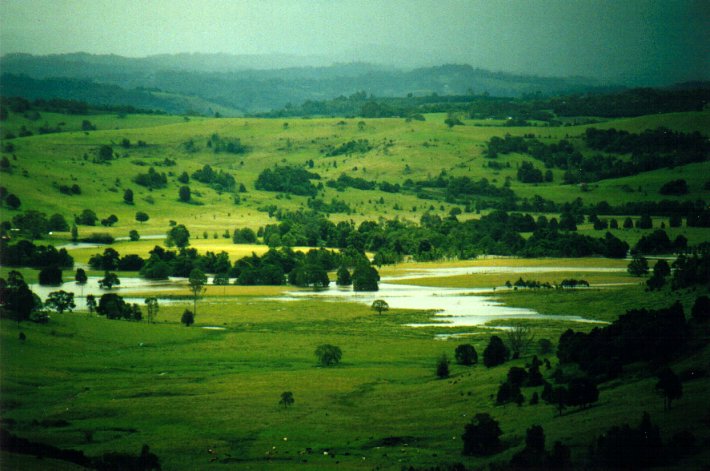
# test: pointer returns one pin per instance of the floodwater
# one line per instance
(452, 307)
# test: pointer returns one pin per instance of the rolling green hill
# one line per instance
(396, 150)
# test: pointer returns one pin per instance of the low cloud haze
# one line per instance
(638, 40)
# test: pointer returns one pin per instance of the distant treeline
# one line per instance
(530, 107)
(67, 106)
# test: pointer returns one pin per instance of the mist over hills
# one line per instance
(235, 85)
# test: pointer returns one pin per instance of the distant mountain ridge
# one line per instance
(247, 84)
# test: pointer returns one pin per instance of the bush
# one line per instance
(188, 318)
(328, 355)
(442, 367)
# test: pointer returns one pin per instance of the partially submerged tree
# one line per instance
(109, 281)
(60, 301)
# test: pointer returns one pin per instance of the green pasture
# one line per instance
(88, 383)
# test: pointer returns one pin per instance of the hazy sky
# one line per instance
(599, 38)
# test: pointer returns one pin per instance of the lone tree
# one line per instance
(152, 307)
(380, 306)
(91, 303)
(178, 236)
(520, 337)
(128, 196)
(670, 386)
(142, 217)
(496, 353)
(133, 235)
(328, 355)
(197, 282)
(482, 436)
(184, 194)
(442, 367)
(286, 399)
(188, 318)
(466, 354)
(60, 301)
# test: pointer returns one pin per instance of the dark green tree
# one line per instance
(128, 196)
(142, 217)
(60, 301)
(380, 306)
(109, 280)
(466, 354)
(57, 222)
(482, 436)
(50, 276)
(328, 355)
(670, 386)
(365, 278)
(188, 318)
(185, 195)
(496, 353)
(442, 367)
(638, 266)
(133, 235)
(286, 399)
(343, 277)
(32, 223)
(178, 236)
(12, 201)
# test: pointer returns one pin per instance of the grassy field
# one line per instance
(88, 383)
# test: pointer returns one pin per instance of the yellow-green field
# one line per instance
(425, 148)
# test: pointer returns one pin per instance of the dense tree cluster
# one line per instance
(219, 180)
(649, 150)
(151, 179)
(26, 254)
(224, 144)
(637, 335)
(351, 147)
(17, 301)
(294, 180)
(113, 306)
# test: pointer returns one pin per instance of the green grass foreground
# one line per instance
(87, 383)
